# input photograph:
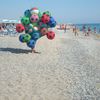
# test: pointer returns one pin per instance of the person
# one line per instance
(84, 29)
(89, 31)
(73, 28)
(95, 30)
(76, 31)
(65, 28)
(60, 27)
(0, 28)
(34, 51)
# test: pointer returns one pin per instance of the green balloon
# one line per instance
(44, 26)
(25, 21)
(47, 12)
(26, 38)
(40, 14)
(35, 24)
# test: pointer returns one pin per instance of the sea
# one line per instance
(92, 26)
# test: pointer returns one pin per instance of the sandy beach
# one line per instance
(67, 68)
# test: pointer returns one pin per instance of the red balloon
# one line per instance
(44, 31)
(50, 35)
(45, 18)
(20, 28)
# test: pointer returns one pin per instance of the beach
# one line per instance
(67, 68)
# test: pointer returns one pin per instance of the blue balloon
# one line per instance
(36, 36)
(21, 38)
(52, 22)
(31, 43)
(27, 13)
(33, 31)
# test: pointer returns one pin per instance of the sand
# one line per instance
(68, 68)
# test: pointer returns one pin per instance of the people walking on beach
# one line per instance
(89, 31)
(84, 29)
(75, 30)
(65, 28)
(95, 30)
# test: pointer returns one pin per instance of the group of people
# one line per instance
(87, 30)
(75, 29)
(6, 28)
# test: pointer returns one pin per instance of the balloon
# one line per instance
(36, 36)
(40, 14)
(45, 18)
(42, 25)
(50, 35)
(34, 18)
(35, 30)
(31, 43)
(44, 31)
(52, 20)
(52, 24)
(34, 11)
(35, 24)
(21, 38)
(20, 28)
(25, 21)
(47, 13)
(27, 13)
(26, 38)
(29, 28)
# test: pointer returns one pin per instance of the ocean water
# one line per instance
(92, 26)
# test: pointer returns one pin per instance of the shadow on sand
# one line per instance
(15, 50)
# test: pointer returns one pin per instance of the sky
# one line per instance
(64, 11)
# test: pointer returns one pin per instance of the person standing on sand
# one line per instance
(84, 29)
(65, 28)
(76, 31)
(73, 29)
(89, 31)
(95, 30)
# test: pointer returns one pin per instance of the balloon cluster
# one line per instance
(35, 24)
